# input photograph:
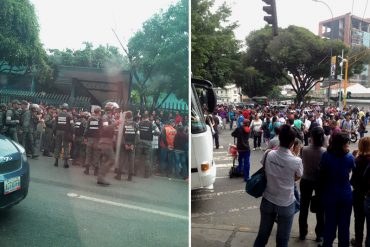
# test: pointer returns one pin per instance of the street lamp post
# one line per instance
(331, 48)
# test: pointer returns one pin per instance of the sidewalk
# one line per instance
(235, 236)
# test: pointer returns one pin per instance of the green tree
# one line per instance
(20, 47)
(100, 57)
(158, 55)
(295, 56)
(214, 49)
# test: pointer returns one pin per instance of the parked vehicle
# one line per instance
(203, 167)
(14, 173)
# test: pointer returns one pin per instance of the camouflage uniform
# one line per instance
(13, 120)
(92, 134)
(106, 145)
(144, 150)
(130, 131)
(3, 110)
(27, 130)
(78, 146)
(63, 128)
(48, 136)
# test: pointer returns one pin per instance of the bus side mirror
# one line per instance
(212, 99)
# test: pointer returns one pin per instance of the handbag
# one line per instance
(256, 184)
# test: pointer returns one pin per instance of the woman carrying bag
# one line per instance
(282, 169)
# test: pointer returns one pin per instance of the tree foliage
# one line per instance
(20, 46)
(214, 48)
(296, 56)
(100, 57)
(158, 54)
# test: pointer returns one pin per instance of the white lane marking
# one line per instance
(224, 165)
(221, 152)
(133, 207)
(210, 196)
(222, 177)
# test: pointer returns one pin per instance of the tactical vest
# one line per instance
(78, 128)
(63, 121)
(107, 132)
(170, 136)
(93, 127)
(146, 129)
(130, 133)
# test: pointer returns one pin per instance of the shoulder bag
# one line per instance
(256, 184)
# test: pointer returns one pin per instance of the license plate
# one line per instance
(12, 184)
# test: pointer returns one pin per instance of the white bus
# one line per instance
(203, 167)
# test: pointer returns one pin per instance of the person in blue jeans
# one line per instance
(335, 167)
(242, 144)
(282, 169)
(231, 115)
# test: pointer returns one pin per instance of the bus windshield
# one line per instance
(198, 124)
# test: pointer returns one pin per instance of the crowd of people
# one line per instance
(149, 142)
(310, 146)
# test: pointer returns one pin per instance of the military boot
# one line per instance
(56, 162)
(65, 163)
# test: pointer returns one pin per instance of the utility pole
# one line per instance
(345, 83)
(340, 81)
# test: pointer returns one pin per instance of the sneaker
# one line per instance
(260, 148)
(254, 149)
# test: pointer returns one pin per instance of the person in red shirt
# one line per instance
(246, 113)
(178, 118)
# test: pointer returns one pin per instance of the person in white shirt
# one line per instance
(256, 126)
(282, 169)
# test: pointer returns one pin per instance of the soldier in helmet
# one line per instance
(49, 123)
(63, 128)
(130, 131)
(106, 144)
(13, 120)
(92, 134)
(3, 109)
(27, 128)
(78, 140)
(147, 129)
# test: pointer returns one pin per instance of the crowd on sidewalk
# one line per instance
(306, 146)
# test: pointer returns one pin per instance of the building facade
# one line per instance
(353, 31)
(230, 94)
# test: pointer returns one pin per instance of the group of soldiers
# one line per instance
(90, 140)
(19, 122)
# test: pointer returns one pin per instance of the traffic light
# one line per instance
(349, 95)
(340, 95)
(271, 18)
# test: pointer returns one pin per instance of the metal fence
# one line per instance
(7, 95)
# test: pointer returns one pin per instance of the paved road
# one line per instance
(226, 215)
(64, 207)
